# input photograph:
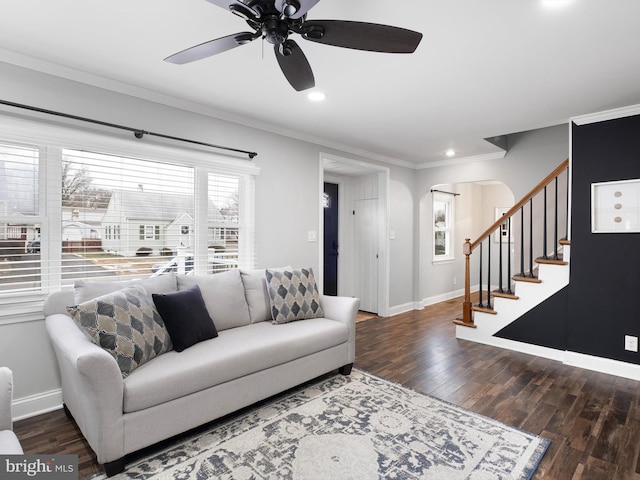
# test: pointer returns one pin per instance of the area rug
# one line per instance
(355, 427)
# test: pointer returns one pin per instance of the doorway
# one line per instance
(358, 183)
(330, 205)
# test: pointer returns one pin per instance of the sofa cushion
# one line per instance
(293, 294)
(185, 316)
(126, 324)
(223, 294)
(255, 291)
(235, 353)
(84, 290)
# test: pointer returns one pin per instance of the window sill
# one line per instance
(443, 261)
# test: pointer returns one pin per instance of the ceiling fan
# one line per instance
(275, 20)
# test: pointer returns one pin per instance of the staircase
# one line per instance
(528, 228)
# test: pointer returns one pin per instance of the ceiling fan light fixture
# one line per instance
(285, 48)
(450, 153)
(242, 11)
(290, 7)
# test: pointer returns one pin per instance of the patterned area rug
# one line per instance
(356, 427)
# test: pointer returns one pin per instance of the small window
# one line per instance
(443, 210)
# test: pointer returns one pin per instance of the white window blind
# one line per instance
(20, 266)
(82, 213)
(122, 216)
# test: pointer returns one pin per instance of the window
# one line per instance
(443, 209)
(69, 213)
(20, 265)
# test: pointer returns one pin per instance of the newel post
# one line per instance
(467, 319)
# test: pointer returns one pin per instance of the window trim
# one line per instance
(51, 139)
(449, 200)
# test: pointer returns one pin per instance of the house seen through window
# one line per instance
(110, 217)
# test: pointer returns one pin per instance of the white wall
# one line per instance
(531, 156)
(287, 198)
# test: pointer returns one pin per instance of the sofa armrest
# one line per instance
(6, 396)
(345, 310)
(92, 386)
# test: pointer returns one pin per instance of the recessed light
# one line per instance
(450, 153)
(556, 4)
(316, 96)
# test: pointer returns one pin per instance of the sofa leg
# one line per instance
(115, 467)
(346, 369)
(67, 412)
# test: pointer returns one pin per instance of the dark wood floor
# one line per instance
(593, 419)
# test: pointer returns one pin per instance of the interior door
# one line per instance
(330, 285)
(365, 224)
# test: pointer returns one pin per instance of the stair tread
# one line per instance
(458, 321)
(519, 278)
(484, 310)
(564, 241)
(552, 261)
(511, 296)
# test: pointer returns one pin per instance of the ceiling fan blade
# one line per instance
(212, 47)
(294, 65)
(371, 37)
(301, 6)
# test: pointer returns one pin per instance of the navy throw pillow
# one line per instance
(185, 316)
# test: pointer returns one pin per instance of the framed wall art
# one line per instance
(615, 207)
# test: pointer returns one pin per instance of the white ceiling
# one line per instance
(484, 67)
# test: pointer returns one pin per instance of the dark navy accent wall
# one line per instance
(543, 325)
(601, 304)
(604, 290)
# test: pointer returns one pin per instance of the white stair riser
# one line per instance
(553, 279)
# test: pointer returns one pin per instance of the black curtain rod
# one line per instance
(138, 133)
(449, 193)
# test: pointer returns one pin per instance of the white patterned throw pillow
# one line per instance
(293, 295)
(126, 324)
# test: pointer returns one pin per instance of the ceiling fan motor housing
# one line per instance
(275, 31)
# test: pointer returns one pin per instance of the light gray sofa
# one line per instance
(250, 360)
(9, 444)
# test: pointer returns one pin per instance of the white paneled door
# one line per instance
(365, 218)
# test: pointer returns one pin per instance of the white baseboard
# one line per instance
(603, 365)
(573, 359)
(404, 308)
(36, 404)
(537, 350)
(443, 297)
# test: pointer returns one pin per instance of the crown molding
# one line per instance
(142, 93)
(607, 115)
(459, 161)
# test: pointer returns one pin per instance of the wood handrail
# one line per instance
(534, 191)
(468, 246)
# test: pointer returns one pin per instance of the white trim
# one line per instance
(603, 365)
(443, 297)
(384, 209)
(404, 308)
(458, 161)
(37, 404)
(530, 349)
(607, 115)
